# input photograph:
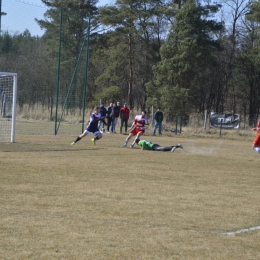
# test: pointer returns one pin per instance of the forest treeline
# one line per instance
(184, 56)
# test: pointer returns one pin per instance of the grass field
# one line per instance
(108, 202)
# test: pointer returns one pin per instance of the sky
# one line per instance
(20, 15)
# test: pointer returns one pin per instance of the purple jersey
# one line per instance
(93, 123)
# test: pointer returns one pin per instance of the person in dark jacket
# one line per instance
(109, 117)
(103, 113)
(115, 114)
(158, 117)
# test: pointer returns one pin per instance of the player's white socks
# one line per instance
(132, 145)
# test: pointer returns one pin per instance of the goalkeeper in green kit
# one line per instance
(146, 145)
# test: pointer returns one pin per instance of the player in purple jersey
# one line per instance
(92, 127)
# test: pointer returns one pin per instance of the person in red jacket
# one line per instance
(256, 142)
(124, 115)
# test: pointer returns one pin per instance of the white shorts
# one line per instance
(257, 149)
(95, 133)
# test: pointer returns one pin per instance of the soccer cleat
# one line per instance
(93, 141)
(132, 145)
(180, 146)
(125, 144)
(173, 149)
(72, 143)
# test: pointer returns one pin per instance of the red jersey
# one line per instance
(141, 122)
(124, 113)
(258, 124)
(256, 142)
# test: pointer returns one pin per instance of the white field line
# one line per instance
(242, 231)
(230, 233)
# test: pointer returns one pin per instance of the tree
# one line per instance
(235, 11)
(133, 45)
(71, 17)
(246, 72)
(187, 56)
(25, 55)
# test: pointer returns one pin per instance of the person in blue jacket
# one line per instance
(115, 114)
(158, 117)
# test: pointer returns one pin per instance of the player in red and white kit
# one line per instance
(138, 128)
(256, 142)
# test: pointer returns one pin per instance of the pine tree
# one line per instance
(186, 55)
(133, 46)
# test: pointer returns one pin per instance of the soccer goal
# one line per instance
(8, 94)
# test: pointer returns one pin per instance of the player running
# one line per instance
(138, 128)
(256, 142)
(92, 127)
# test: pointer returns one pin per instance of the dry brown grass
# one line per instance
(108, 202)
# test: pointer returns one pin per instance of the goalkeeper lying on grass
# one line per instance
(92, 127)
(146, 145)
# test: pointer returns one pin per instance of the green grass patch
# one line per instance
(107, 202)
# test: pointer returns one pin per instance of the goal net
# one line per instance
(8, 93)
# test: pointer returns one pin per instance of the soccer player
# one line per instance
(146, 145)
(256, 142)
(138, 128)
(92, 127)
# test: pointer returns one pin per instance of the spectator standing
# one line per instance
(109, 117)
(138, 128)
(103, 113)
(124, 115)
(119, 105)
(158, 117)
(115, 115)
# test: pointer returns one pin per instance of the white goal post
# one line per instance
(8, 96)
